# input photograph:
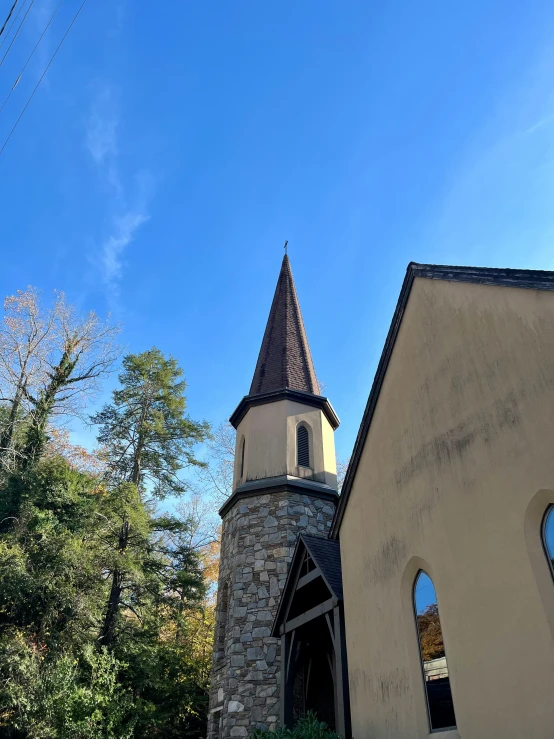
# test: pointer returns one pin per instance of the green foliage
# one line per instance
(72, 545)
(62, 696)
(147, 436)
(306, 728)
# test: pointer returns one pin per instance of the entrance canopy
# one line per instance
(310, 623)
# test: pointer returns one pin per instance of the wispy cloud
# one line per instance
(128, 212)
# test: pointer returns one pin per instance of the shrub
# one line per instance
(306, 728)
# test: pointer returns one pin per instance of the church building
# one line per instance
(421, 600)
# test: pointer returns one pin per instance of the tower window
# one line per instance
(440, 705)
(548, 537)
(242, 445)
(302, 446)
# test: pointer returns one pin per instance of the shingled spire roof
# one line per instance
(285, 360)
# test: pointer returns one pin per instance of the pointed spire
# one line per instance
(285, 360)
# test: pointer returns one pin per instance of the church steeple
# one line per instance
(285, 361)
(284, 482)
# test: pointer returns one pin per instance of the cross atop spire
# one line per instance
(285, 360)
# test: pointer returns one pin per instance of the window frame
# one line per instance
(442, 729)
(306, 427)
(547, 553)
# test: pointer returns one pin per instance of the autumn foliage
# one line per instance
(430, 633)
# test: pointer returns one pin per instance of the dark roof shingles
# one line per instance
(285, 360)
(326, 553)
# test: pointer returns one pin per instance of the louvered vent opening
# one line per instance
(242, 458)
(303, 447)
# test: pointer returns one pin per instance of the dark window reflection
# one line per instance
(433, 657)
(548, 536)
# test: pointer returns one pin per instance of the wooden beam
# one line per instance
(331, 631)
(305, 579)
(342, 698)
(308, 616)
(291, 646)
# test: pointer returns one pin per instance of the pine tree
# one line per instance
(148, 440)
(147, 436)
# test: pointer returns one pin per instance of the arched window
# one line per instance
(440, 705)
(242, 446)
(221, 626)
(548, 536)
(302, 446)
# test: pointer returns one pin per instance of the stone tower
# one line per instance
(284, 483)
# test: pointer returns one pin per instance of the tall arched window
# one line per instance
(440, 705)
(242, 445)
(223, 607)
(548, 536)
(302, 446)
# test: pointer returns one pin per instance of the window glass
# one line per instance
(433, 657)
(548, 536)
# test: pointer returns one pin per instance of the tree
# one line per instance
(146, 434)
(216, 477)
(342, 468)
(84, 352)
(26, 341)
(51, 360)
(430, 633)
(148, 440)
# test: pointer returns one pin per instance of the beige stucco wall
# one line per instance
(455, 476)
(270, 434)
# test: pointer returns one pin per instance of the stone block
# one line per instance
(261, 631)
(265, 691)
(254, 653)
(234, 707)
(237, 660)
(239, 731)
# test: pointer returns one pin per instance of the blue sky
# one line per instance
(173, 147)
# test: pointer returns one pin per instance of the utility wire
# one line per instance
(31, 96)
(8, 18)
(17, 32)
(12, 24)
(20, 75)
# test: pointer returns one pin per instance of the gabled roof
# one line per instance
(284, 360)
(524, 278)
(326, 555)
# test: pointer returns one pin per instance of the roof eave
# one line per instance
(527, 279)
(316, 401)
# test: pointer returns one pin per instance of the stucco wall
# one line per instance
(270, 434)
(456, 473)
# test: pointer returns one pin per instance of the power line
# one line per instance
(19, 76)
(31, 96)
(17, 32)
(8, 18)
(12, 24)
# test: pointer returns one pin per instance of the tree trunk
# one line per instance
(6, 439)
(107, 633)
(36, 438)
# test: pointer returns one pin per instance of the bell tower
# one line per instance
(284, 483)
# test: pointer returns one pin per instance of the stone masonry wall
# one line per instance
(258, 539)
